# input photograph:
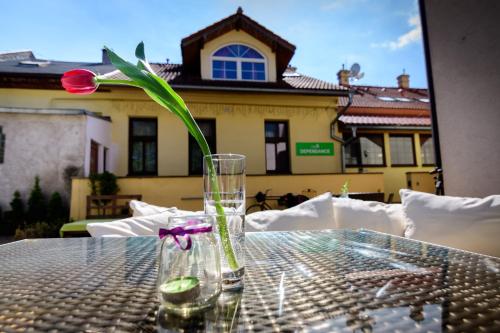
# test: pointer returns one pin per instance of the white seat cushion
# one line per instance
(471, 224)
(313, 214)
(372, 215)
(141, 208)
(134, 226)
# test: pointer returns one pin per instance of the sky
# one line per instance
(383, 36)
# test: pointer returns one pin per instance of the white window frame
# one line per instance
(238, 61)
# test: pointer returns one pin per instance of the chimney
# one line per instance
(105, 57)
(404, 81)
(343, 76)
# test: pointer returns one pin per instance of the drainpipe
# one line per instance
(339, 139)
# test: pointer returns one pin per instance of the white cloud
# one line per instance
(412, 36)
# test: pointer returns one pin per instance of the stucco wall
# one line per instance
(43, 145)
(465, 51)
(239, 123)
(238, 37)
(187, 192)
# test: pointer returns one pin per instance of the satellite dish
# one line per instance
(355, 68)
(354, 73)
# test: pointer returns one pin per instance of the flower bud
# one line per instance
(79, 81)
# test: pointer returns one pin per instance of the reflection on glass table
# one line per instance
(327, 281)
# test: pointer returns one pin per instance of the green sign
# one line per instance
(314, 149)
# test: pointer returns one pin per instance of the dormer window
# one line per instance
(238, 62)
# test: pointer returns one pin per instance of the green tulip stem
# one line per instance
(121, 82)
(221, 217)
(142, 76)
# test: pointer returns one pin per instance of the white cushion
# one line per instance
(313, 214)
(134, 226)
(471, 224)
(373, 215)
(141, 208)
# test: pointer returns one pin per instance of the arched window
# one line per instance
(238, 62)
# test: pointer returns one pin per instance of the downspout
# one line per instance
(339, 139)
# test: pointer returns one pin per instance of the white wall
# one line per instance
(40, 144)
(99, 130)
(464, 44)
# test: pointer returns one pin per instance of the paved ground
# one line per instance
(4, 239)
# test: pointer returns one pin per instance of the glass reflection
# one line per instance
(224, 317)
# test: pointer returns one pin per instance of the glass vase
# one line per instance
(224, 198)
(189, 277)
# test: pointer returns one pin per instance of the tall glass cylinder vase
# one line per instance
(224, 197)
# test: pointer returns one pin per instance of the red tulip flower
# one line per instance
(79, 81)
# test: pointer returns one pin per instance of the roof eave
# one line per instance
(389, 127)
(320, 92)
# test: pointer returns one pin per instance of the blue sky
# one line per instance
(384, 36)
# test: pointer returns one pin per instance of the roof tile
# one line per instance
(388, 97)
(381, 121)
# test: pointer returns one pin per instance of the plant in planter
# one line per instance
(103, 184)
(141, 75)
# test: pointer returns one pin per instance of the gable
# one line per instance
(193, 44)
(236, 37)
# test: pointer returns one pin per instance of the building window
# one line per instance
(238, 62)
(402, 152)
(207, 127)
(427, 149)
(2, 145)
(366, 150)
(277, 151)
(143, 146)
(94, 157)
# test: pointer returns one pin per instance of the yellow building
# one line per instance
(236, 79)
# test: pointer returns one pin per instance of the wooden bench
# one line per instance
(100, 208)
(108, 206)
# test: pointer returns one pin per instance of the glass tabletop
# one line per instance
(330, 280)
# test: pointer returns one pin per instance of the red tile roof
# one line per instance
(388, 98)
(387, 106)
(385, 121)
(306, 82)
(173, 74)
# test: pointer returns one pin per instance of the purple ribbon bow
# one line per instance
(183, 232)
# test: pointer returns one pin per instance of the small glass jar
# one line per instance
(189, 277)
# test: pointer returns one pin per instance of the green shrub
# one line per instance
(94, 183)
(3, 225)
(44, 220)
(14, 218)
(20, 234)
(37, 207)
(103, 183)
(17, 208)
(38, 230)
(108, 184)
(56, 211)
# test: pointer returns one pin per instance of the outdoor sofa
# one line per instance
(470, 224)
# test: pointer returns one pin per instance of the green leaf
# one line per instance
(171, 92)
(139, 51)
(146, 66)
(141, 55)
(129, 69)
